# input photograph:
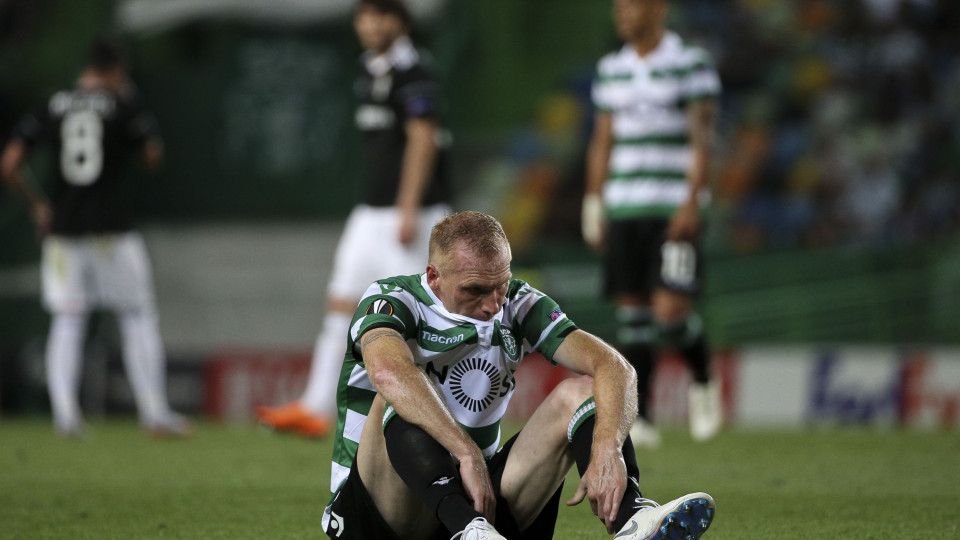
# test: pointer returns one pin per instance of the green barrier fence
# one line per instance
(907, 295)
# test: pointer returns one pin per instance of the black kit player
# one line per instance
(406, 192)
(91, 256)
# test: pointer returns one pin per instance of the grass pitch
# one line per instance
(244, 482)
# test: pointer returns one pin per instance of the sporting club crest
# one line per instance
(508, 342)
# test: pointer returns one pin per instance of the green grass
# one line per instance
(243, 482)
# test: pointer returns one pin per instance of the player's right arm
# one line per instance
(392, 371)
(11, 169)
(152, 154)
(142, 130)
(598, 163)
(615, 394)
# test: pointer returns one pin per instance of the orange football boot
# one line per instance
(314, 427)
(293, 417)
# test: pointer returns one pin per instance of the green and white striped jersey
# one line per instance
(647, 97)
(471, 362)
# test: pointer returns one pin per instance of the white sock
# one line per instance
(320, 396)
(64, 355)
(144, 361)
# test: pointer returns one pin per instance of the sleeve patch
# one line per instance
(381, 307)
(556, 314)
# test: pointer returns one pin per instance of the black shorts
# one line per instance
(357, 517)
(638, 260)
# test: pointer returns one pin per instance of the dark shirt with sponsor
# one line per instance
(386, 102)
(91, 133)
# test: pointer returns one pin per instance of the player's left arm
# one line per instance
(419, 156)
(685, 224)
(615, 393)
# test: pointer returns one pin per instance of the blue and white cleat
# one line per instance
(686, 518)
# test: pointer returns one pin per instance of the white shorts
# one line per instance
(369, 249)
(110, 271)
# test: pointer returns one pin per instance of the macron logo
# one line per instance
(443, 340)
(443, 481)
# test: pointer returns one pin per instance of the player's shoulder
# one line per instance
(409, 289)
(415, 67)
(519, 289)
(129, 99)
(394, 284)
(613, 61)
(690, 55)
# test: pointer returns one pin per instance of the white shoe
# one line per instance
(644, 434)
(478, 529)
(171, 426)
(687, 517)
(706, 411)
(72, 431)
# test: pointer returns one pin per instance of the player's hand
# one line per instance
(476, 480)
(604, 484)
(42, 217)
(591, 221)
(407, 231)
(685, 224)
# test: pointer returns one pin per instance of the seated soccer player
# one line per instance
(423, 388)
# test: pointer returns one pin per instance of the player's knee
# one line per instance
(679, 332)
(671, 312)
(635, 326)
(572, 392)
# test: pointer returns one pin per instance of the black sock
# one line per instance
(697, 355)
(582, 444)
(641, 357)
(455, 511)
(430, 471)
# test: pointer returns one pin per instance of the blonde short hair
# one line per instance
(480, 233)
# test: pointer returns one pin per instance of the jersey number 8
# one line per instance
(81, 157)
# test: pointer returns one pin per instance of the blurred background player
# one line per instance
(92, 257)
(406, 193)
(647, 171)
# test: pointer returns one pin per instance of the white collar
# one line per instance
(401, 54)
(438, 307)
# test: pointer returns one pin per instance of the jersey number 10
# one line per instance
(679, 264)
(81, 156)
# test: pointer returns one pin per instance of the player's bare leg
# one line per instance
(637, 341)
(396, 502)
(681, 328)
(542, 455)
(144, 361)
(63, 360)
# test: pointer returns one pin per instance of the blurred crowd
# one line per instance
(840, 125)
(841, 120)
